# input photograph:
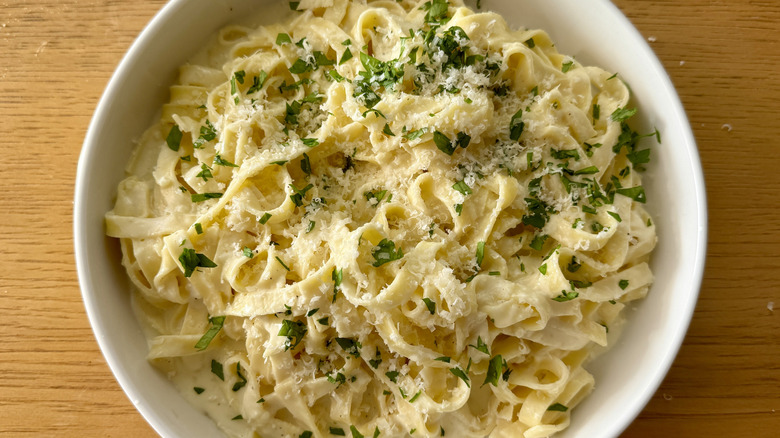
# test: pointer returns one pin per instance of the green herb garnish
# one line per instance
(200, 197)
(385, 252)
(462, 187)
(216, 369)
(174, 138)
(566, 296)
(495, 367)
(294, 331)
(430, 304)
(216, 324)
(461, 375)
(480, 253)
(190, 260)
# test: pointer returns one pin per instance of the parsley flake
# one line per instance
(190, 260)
(558, 407)
(385, 252)
(461, 375)
(294, 331)
(174, 138)
(216, 369)
(566, 296)
(200, 197)
(430, 304)
(216, 324)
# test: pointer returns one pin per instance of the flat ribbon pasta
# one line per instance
(385, 217)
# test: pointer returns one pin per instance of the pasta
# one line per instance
(385, 218)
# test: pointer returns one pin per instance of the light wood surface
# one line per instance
(56, 57)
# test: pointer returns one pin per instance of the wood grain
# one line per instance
(57, 56)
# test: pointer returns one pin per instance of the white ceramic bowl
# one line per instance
(592, 30)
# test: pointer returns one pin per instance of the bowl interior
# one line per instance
(593, 31)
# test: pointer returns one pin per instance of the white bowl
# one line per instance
(594, 31)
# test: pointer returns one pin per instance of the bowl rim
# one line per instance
(81, 232)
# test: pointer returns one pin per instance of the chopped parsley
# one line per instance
(623, 284)
(257, 82)
(216, 369)
(516, 126)
(385, 252)
(294, 331)
(310, 142)
(480, 253)
(346, 56)
(298, 195)
(207, 133)
(264, 218)
(241, 382)
(558, 407)
(216, 324)
(283, 38)
(430, 304)
(414, 135)
(436, 11)
(636, 193)
(377, 75)
(337, 276)
(350, 346)
(495, 367)
(566, 296)
(190, 260)
(337, 431)
(282, 263)
(218, 160)
(174, 138)
(443, 143)
(590, 170)
(622, 114)
(459, 373)
(392, 375)
(198, 228)
(306, 164)
(539, 213)
(377, 360)
(566, 66)
(205, 172)
(355, 432)
(198, 389)
(200, 197)
(573, 265)
(248, 253)
(375, 195)
(462, 187)
(481, 346)
(339, 378)
(538, 241)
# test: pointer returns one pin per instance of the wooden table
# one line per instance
(56, 57)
